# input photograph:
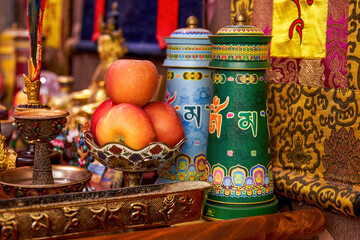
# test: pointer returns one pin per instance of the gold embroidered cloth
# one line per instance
(314, 133)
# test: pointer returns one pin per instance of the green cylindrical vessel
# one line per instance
(238, 148)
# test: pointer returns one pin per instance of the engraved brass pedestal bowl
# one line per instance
(40, 126)
(17, 182)
(133, 163)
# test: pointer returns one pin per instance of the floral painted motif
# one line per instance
(241, 52)
(240, 182)
(342, 157)
(170, 75)
(182, 168)
(187, 52)
(170, 99)
(247, 78)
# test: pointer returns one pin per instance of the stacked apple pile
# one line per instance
(128, 116)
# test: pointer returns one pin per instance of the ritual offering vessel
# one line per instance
(40, 124)
(133, 163)
(238, 148)
(189, 90)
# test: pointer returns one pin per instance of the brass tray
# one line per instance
(88, 213)
(17, 182)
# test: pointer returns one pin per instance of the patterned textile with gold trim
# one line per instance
(313, 98)
(315, 145)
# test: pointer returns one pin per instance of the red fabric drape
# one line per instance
(167, 20)
(99, 11)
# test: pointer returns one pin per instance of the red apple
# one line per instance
(126, 123)
(100, 111)
(166, 121)
(131, 81)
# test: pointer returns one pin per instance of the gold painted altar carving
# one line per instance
(88, 213)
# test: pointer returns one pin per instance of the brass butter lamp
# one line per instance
(40, 124)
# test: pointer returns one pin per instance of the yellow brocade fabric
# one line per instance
(314, 134)
(299, 28)
(316, 191)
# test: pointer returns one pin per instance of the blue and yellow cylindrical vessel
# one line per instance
(188, 90)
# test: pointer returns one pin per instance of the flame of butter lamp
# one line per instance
(40, 124)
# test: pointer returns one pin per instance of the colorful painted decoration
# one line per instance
(240, 52)
(239, 182)
(181, 169)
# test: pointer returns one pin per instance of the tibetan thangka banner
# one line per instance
(313, 96)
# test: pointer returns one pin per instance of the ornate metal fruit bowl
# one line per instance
(132, 162)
